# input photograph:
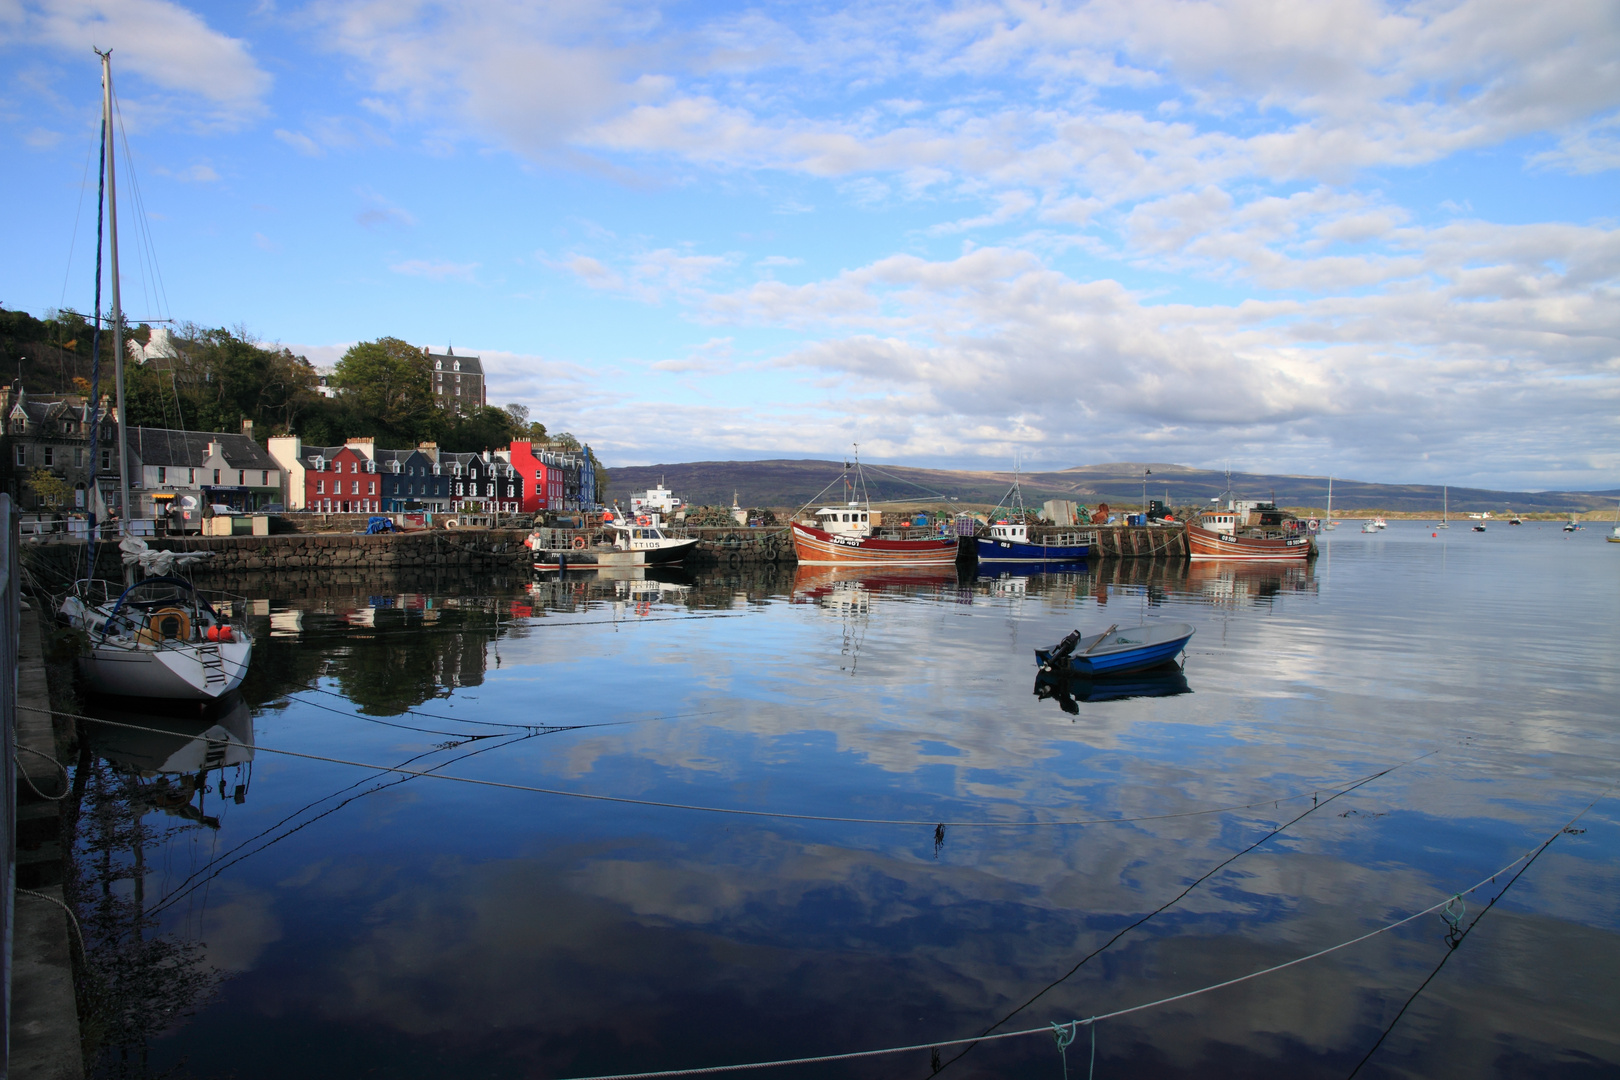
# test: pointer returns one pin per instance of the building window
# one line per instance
(320, 487)
(354, 488)
(241, 478)
(264, 478)
(106, 458)
(458, 489)
(163, 475)
(78, 457)
(371, 488)
(50, 455)
(191, 477)
(22, 455)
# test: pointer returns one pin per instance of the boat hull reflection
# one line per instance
(176, 741)
(1068, 690)
(812, 584)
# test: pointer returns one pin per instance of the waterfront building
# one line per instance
(341, 479)
(411, 480)
(458, 381)
(483, 483)
(546, 477)
(52, 432)
(210, 468)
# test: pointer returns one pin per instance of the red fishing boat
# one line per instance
(849, 535)
(845, 536)
(1252, 531)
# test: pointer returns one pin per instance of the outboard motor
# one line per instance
(1061, 651)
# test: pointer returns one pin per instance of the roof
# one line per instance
(469, 364)
(165, 446)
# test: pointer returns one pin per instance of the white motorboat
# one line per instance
(157, 638)
(1369, 526)
(1380, 523)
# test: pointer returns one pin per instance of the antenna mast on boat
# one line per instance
(117, 306)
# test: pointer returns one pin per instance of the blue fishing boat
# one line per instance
(1007, 538)
(1115, 651)
(1009, 542)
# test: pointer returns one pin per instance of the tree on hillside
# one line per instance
(389, 388)
(565, 441)
(216, 379)
(484, 428)
(523, 427)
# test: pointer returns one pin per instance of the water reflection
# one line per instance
(1068, 690)
(426, 927)
(169, 758)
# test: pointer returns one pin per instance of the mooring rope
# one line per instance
(774, 814)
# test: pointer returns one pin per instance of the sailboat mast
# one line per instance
(117, 306)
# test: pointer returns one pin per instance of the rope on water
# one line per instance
(1456, 933)
(739, 812)
(1092, 1021)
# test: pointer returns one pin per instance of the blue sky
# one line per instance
(1373, 240)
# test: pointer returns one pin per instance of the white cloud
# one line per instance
(435, 270)
(193, 70)
(300, 142)
(201, 173)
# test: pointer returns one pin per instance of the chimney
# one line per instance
(247, 428)
(366, 447)
(430, 450)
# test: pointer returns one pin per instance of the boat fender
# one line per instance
(169, 623)
(579, 543)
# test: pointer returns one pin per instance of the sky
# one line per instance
(1342, 237)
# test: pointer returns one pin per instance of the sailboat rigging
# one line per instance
(156, 637)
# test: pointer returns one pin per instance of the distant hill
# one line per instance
(792, 483)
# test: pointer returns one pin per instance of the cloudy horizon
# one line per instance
(1368, 239)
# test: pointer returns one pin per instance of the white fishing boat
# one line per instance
(1380, 523)
(645, 533)
(153, 635)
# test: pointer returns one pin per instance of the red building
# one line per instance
(543, 487)
(341, 479)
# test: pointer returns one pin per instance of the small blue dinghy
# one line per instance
(1114, 650)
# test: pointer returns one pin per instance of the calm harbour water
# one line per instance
(374, 924)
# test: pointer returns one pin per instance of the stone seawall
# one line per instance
(350, 555)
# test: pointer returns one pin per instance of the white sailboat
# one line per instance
(156, 637)
(1614, 533)
(1329, 524)
(1445, 508)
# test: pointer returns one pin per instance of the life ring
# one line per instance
(451, 523)
(170, 623)
(643, 520)
(579, 543)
